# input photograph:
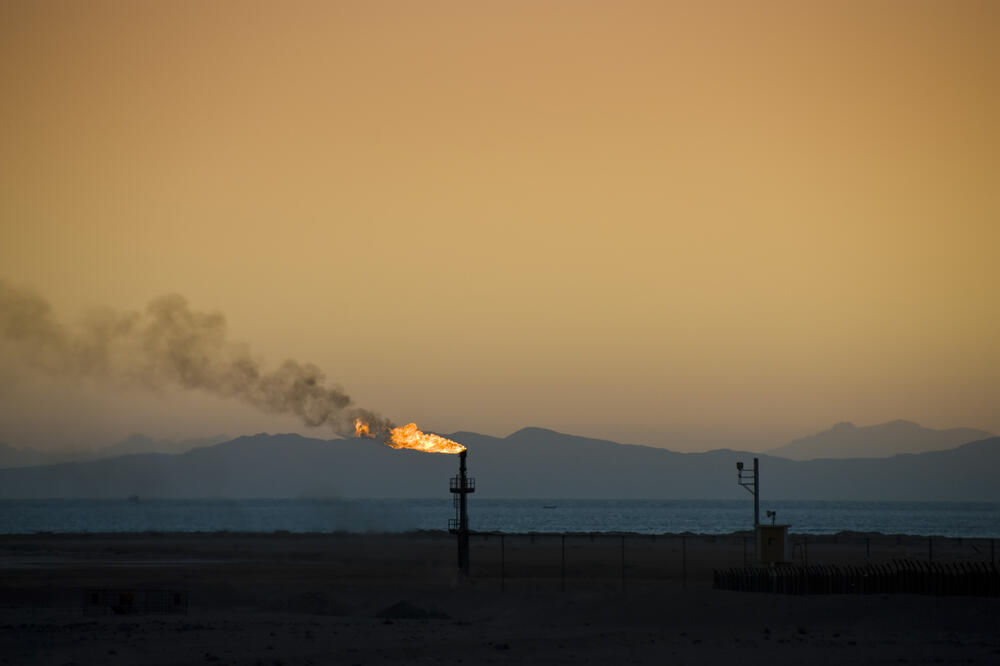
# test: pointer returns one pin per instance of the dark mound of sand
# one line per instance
(404, 610)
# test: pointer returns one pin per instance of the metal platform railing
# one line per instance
(456, 484)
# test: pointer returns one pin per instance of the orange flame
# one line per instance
(410, 437)
(362, 429)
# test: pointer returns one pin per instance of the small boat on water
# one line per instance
(549, 506)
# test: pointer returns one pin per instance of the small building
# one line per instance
(772, 543)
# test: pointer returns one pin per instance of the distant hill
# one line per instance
(531, 463)
(24, 457)
(11, 456)
(143, 444)
(845, 440)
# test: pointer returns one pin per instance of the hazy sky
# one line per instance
(689, 224)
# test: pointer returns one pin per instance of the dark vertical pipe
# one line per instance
(463, 517)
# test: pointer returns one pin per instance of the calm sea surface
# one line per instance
(956, 519)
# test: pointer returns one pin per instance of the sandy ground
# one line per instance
(387, 599)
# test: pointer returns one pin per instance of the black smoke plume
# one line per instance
(169, 344)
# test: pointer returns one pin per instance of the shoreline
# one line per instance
(652, 517)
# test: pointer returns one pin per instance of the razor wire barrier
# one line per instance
(981, 579)
(571, 560)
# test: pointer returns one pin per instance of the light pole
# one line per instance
(750, 479)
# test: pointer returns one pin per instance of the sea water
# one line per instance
(952, 519)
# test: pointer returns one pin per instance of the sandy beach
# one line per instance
(386, 599)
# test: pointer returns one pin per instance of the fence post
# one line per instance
(744, 551)
(868, 548)
(562, 566)
(930, 549)
(684, 562)
(503, 577)
(623, 563)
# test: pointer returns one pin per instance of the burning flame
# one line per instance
(410, 437)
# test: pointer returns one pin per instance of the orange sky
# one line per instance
(688, 224)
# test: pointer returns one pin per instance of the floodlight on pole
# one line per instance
(750, 479)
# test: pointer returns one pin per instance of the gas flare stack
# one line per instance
(461, 486)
